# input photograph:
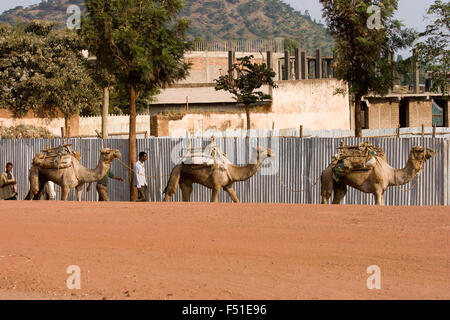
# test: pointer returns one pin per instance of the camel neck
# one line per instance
(407, 174)
(243, 173)
(93, 175)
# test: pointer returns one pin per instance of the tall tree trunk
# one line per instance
(105, 112)
(358, 126)
(67, 128)
(132, 141)
(247, 113)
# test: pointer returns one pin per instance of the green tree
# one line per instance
(362, 51)
(142, 43)
(42, 70)
(290, 45)
(433, 51)
(242, 81)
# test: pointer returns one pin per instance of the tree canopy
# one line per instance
(142, 43)
(362, 53)
(433, 51)
(243, 79)
(42, 70)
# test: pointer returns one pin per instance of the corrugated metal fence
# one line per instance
(298, 163)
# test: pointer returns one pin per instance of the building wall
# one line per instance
(207, 66)
(310, 103)
(116, 124)
(420, 113)
(53, 125)
(383, 113)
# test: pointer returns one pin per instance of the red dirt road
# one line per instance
(222, 251)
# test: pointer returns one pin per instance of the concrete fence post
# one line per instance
(297, 64)
(318, 64)
(303, 65)
(415, 71)
(269, 59)
(286, 65)
(231, 57)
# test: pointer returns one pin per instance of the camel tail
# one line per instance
(174, 179)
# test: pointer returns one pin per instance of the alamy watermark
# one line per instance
(374, 21)
(374, 281)
(73, 282)
(74, 20)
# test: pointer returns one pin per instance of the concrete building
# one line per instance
(405, 110)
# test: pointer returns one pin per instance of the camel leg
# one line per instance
(326, 187)
(340, 190)
(37, 196)
(232, 193)
(34, 183)
(64, 193)
(379, 198)
(186, 190)
(79, 192)
(215, 194)
(173, 182)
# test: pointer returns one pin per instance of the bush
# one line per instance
(25, 132)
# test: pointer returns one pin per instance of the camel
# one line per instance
(74, 176)
(213, 176)
(375, 180)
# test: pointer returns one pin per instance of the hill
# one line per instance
(213, 20)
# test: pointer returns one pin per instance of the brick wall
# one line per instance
(383, 113)
(419, 112)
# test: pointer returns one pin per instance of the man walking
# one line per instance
(8, 186)
(140, 180)
(102, 186)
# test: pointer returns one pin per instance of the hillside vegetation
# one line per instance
(213, 20)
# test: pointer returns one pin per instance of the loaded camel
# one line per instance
(375, 180)
(213, 177)
(74, 176)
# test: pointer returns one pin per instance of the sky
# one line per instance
(410, 12)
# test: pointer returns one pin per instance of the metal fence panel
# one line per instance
(299, 164)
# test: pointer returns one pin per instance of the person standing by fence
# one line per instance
(140, 180)
(8, 184)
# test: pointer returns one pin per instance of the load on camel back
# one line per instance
(211, 155)
(56, 158)
(355, 158)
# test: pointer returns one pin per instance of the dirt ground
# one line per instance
(222, 251)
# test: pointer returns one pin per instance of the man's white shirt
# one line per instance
(139, 175)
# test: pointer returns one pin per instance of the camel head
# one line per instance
(419, 155)
(108, 155)
(263, 153)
